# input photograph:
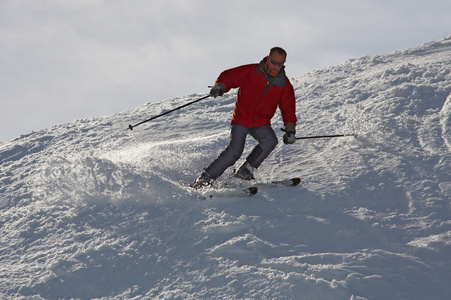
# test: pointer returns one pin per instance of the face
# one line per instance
(274, 61)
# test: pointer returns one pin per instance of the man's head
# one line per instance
(276, 58)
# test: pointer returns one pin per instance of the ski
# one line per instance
(229, 193)
(228, 190)
(291, 182)
(288, 182)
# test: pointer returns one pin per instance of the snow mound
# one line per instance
(91, 209)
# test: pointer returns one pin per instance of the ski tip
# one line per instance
(253, 190)
(288, 182)
(296, 180)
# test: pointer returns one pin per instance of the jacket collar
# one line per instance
(262, 67)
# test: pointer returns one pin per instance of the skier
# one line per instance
(262, 88)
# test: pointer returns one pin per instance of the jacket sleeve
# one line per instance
(287, 104)
(235, 77)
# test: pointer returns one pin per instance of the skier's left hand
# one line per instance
(290, 133)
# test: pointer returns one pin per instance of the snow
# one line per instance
(91, 209)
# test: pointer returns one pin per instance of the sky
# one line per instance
(62, 60)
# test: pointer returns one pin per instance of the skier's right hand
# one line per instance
(217, 90)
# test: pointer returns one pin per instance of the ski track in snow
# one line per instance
(90, 209)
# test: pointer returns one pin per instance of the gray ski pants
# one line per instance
(265, 137)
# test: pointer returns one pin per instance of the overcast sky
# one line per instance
(62, 60)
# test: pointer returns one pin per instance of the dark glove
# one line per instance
(217, 90)
(290, 133)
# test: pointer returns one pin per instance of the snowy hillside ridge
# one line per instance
(92, 210)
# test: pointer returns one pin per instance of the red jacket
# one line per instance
(259, 95)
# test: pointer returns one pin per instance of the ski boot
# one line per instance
(245, 172)
(202, 182)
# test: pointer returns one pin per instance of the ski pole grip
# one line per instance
(288, 131)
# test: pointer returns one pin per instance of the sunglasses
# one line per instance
(275, 62)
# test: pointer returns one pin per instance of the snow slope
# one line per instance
(92, 210)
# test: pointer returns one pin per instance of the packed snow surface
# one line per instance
(91, 209)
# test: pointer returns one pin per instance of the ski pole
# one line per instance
(322, 136)
(165, 113)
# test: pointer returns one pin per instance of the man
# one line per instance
(262, 88)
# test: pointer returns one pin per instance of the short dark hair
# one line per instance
(278, 50)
